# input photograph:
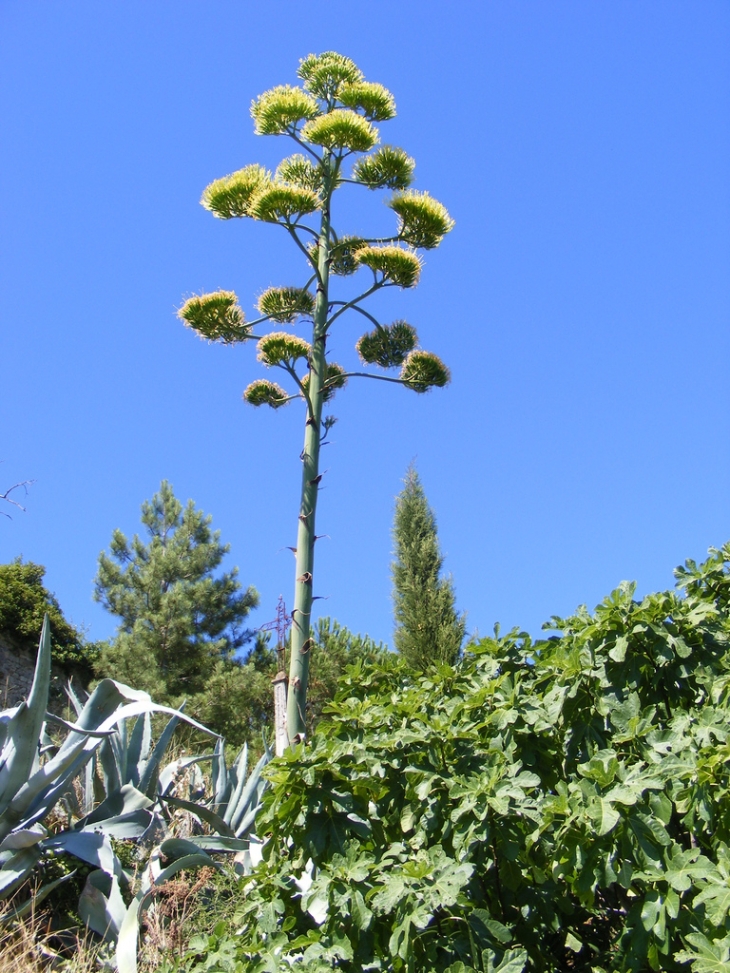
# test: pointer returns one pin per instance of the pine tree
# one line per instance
(179, 618)
(428, 630)
(331, 120)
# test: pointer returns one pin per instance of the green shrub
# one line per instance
(554, 805)
(24, 600)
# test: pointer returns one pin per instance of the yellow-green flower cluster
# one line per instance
(422, 371)
(232, 195)
(423, 221)
(279, 110)
(387, 345)
(342, 255)
(341, 129)
(334, 379)
(281, 202)
(264, 392)
(215, 316)
(285, 304)
(375, 101)
(324, 74)
(396, 264)
(387, 168)
(252, 192)
(298, 170)
(279, 348)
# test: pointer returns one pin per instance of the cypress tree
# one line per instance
(428, 629)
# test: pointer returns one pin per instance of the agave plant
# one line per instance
(113, 731)
(30, 789)
(331, 119)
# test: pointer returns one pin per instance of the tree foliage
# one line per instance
(427, 628)
(238, 701)
(555, 805)
(180, 618)
(24, 600)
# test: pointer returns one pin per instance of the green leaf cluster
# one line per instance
(24, 600)
(562, 804)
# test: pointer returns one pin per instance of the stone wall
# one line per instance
(17, 665)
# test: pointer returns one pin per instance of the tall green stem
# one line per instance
(301, 641)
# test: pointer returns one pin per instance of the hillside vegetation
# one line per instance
(545, 806)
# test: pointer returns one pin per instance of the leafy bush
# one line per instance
(554, 805)
(24, 600)
(238, 699)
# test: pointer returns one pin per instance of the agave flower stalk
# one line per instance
(331, 119)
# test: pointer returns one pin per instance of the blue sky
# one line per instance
(582, 302)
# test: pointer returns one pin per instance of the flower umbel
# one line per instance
(323, 74)
(285, 304)
(215, 316)
(264, 392)
(341, 129)
(396, 264)
(334, 379)
(373, 100)
(278, 201)
(231, 195)
(280, 348)
(387, 345)
(423, 221)
(297, 170)
(279, 110)
(386, 168)
(422, 371)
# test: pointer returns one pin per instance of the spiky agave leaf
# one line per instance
(396, 264)
(423, 221)
(375, 101)
(423, 370)
(388, 345)
(334, 379)
(387, 168)
(324, 74)
(285, 304)
(280, 109)
(279, 347)
(298, 170)
(231, 195)
(264, 392)
(216, 316)
(279, 201)
(341, 129)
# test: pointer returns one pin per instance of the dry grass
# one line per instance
(167, 921)
(30, 946)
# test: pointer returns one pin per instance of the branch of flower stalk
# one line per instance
(362, 311)
(303, 226)
(302, 390)
(307, 254)
(380, 378)
(304, 145)
(356, 300)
